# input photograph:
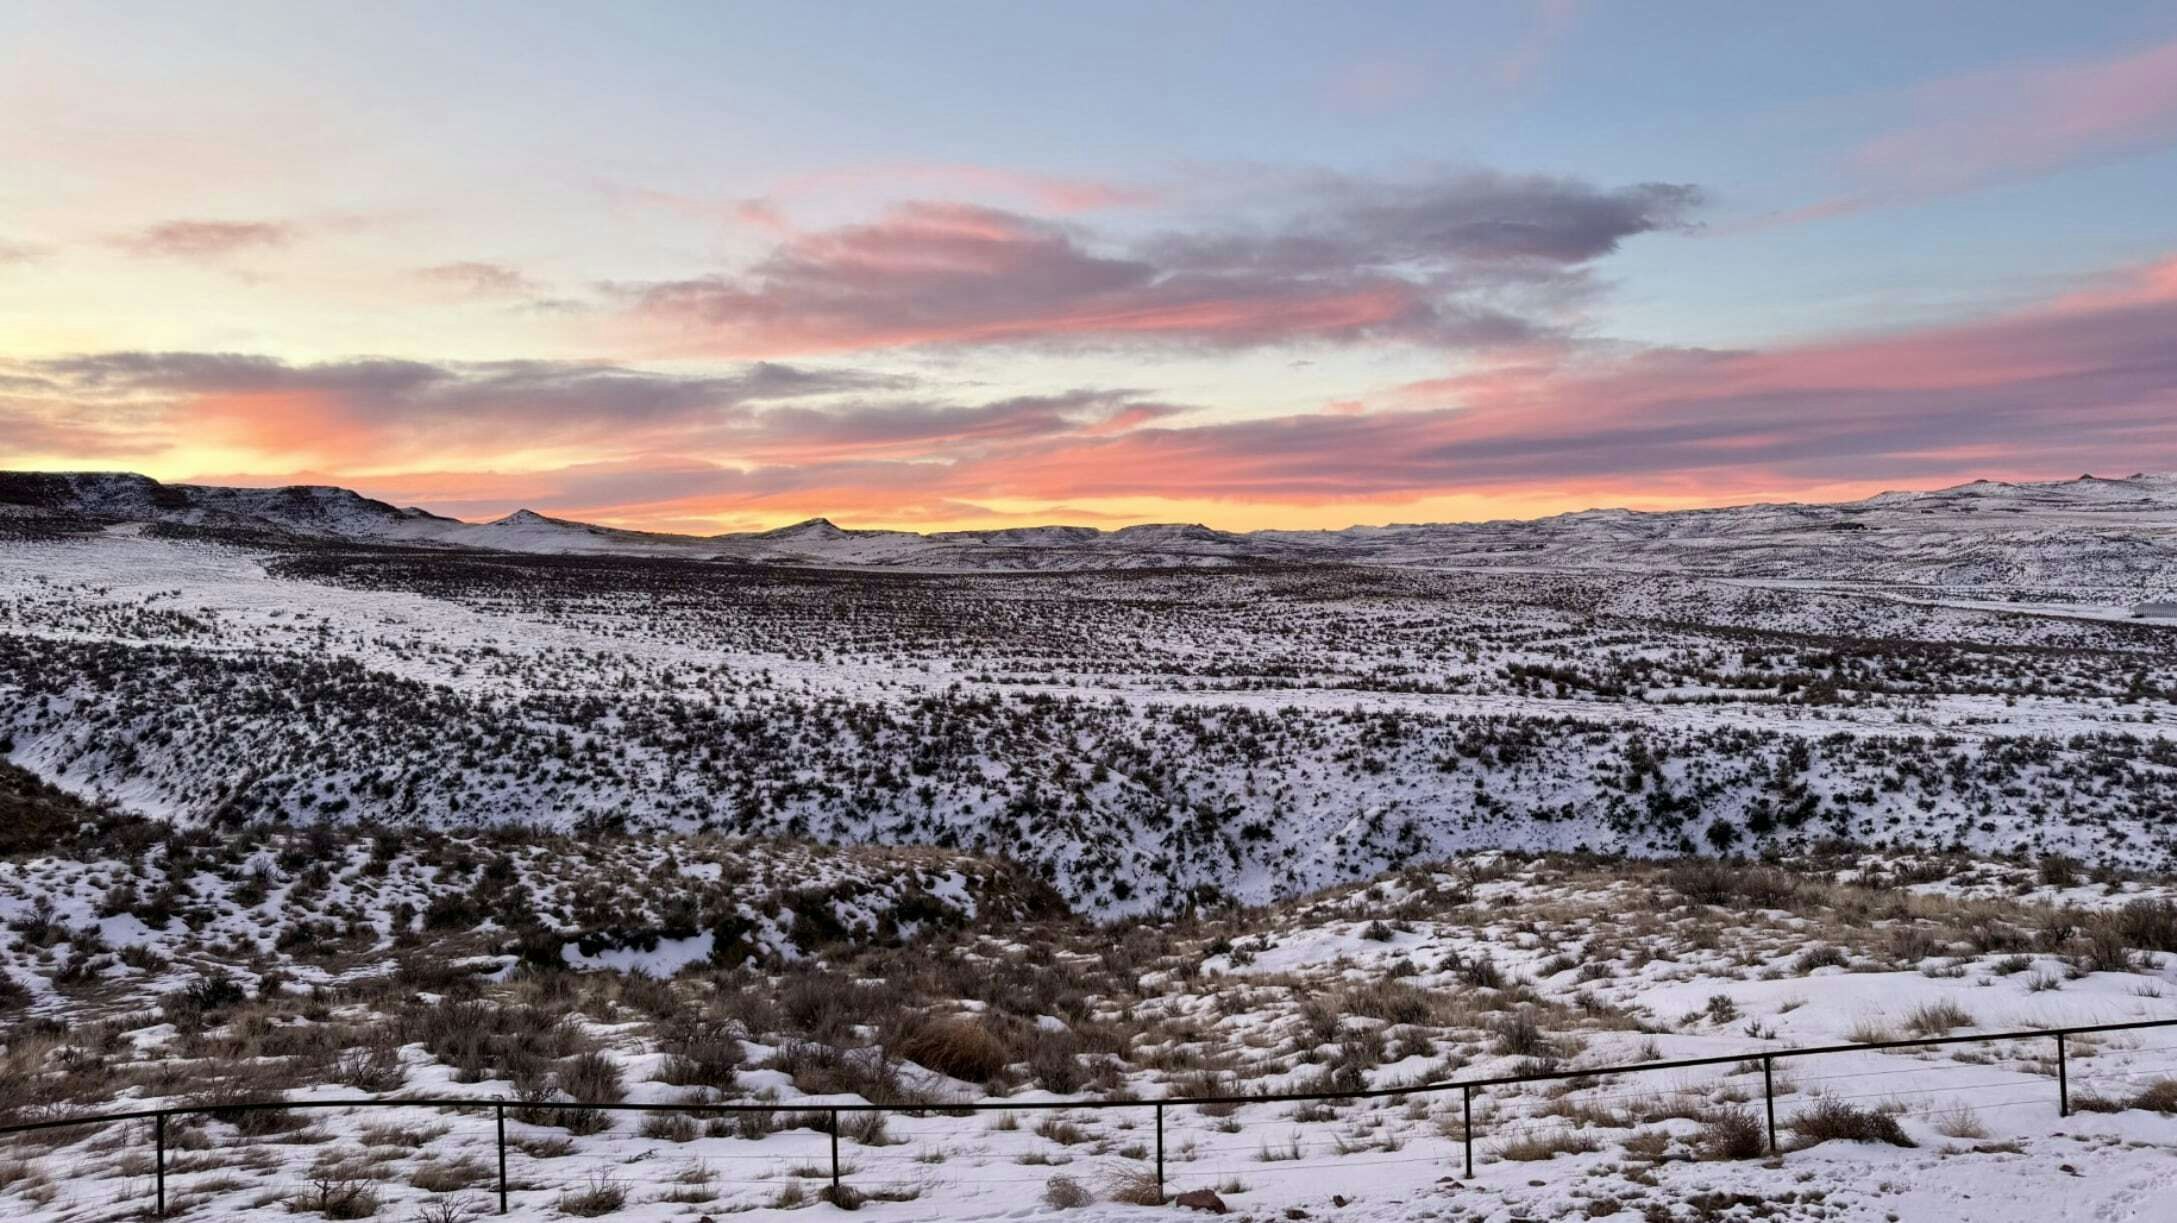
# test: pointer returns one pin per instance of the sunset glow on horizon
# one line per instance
(705, 269)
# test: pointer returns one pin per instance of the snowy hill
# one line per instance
(2113, 541)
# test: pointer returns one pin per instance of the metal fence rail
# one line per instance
(1767, 1058)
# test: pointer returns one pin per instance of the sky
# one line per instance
(721, 267)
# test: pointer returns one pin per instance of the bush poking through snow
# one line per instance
(1056, 1063)
(223, 1101)
(446, 1210)
(1066, 1193)
(1520, 1035)
(1820, 957)
(374, 1068)
(1732, 1132)
(337, 1193)
(699, 1054)
(589, 1078)
(1833, 1119)
(2160, 1096)
(449, 1176)
(670, 1127)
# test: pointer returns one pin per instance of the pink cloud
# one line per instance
(1553, 24)
(479, 279)
(2010, 123)
(206, 239)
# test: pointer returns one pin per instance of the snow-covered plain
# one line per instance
(1145, 737)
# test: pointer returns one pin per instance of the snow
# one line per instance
(667, 958)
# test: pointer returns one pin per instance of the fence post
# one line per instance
(835, 1157)
(2063, 1080)
(1768, 1096)
(1160, 1152)
(158, 1129)
(501, 1110)
(1466, 1105)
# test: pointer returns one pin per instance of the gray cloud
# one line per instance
(1460, 261)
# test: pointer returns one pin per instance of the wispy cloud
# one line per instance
(2005, 124)
(1055, 193)
(479, 279)
(205, 239)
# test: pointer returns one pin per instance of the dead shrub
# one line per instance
(337, 1193)
(1066, 1193)
(601, 1196)
(1134, 1187)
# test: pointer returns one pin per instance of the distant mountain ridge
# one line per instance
(2089, 530)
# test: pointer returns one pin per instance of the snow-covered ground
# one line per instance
(1139, 736)
(534, 810)
(1480, 967)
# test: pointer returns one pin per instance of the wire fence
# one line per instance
(585, 1159)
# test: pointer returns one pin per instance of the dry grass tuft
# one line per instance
(1530, 1147)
